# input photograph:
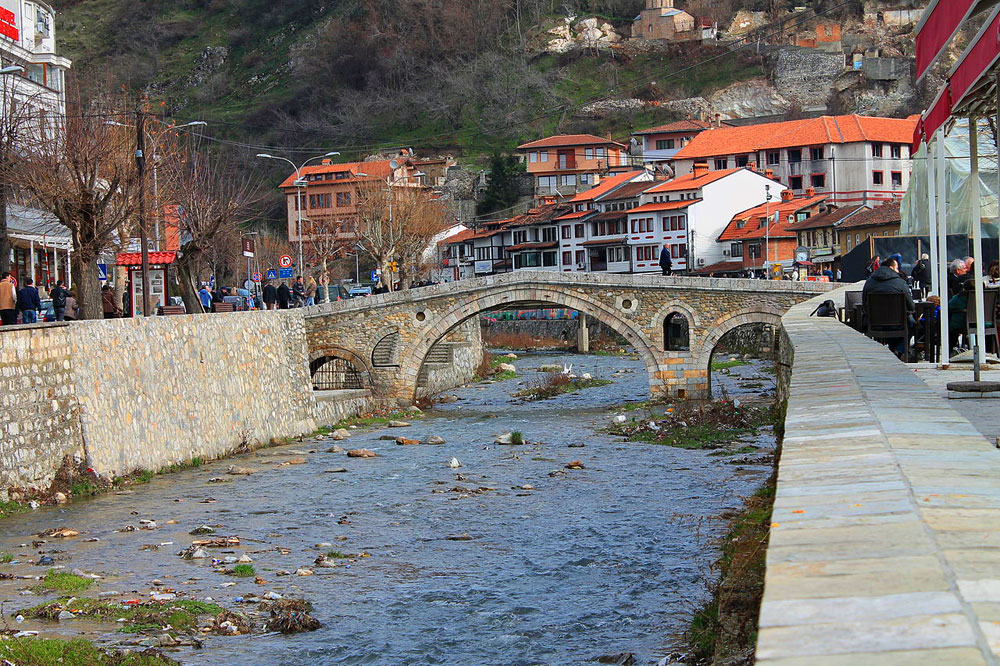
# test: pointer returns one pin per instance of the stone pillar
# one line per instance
(583, 336)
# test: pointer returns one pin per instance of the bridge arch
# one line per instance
(733, 321)
(336, 368)
(437, 327)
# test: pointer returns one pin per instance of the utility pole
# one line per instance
(140, 163)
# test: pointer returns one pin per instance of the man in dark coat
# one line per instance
(922, 273)
(666, 263)
(284, 296)
(28, 302)
(887, 280)
(270, 296)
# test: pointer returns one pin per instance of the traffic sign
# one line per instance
(271, 274)
(248, 247)
(102, 272)
(285, 273)
(285, 261)
(255, 277)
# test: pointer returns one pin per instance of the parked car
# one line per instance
(48, 312)
(355, 292)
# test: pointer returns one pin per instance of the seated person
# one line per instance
(958, 306)
(887, 280)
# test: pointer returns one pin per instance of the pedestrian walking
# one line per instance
(28, 302)
(284, 296)
(205, 296)
(72, 311)
(8, 300)
(311, 289)
(299, 291)
(666, 262)
(58, 296)
(109, 304)
(269, 296)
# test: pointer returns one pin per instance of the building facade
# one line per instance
(661, 144)
(856, 160)
(661, 20)
(28, 40)
(566, 164)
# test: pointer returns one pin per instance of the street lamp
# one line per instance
(12, 69)
(767, 232)
(299, 184)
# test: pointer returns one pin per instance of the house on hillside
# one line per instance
(659, 144)
(688, 213)
(764, 235)
(565, 164)
(661, 20)
(853, 159)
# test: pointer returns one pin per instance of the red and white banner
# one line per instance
(937, 26)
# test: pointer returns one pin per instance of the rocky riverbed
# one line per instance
(514, 555)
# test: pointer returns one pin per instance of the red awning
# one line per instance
(135, 258)
(938, 25)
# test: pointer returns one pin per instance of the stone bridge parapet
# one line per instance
(388, 336)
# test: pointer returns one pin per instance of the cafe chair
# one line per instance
(886, 318)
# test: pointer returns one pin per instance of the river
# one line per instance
(611, 558)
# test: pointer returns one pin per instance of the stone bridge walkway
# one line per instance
(885, 542)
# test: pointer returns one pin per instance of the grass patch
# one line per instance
(369, 420)
(322, 430)
(696, 426)
(244, 571)
(194, 463)
(74, 652)
(723, 365)
(6, 558)
(83, 488)
(143, 476)
(11, 508)
(556, 383)
(181, 614)
(517, 437)
(336, 555)
(62, 581)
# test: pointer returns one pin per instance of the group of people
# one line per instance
(24, 305)
(301, 293)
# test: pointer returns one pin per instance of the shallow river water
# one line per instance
(607, 559)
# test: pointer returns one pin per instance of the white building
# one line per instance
(854, 159)
(28, 40)
(688, 213)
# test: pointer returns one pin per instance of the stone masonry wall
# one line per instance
(465, 350)
(41, 423)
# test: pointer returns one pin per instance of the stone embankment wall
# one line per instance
(128, 394)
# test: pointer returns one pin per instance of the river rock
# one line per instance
(361, 453)
(413, 409)
(336, 470)
(586, 376)
(386, 438)
(204, 529)
(272, 596)
(335, 449)
(302, 571)
(526, 486)
(502, 439)
(576, 464)
(620, 659)
(550, 368)
(454, 463)
(398, 424)
(577, 445)
(60, 498)
(505, 367)
(511, 356)
(66, 615)
(403, 441)
(434, 439)
(244, 559)
(447, 399)
(238, 471)
(293, 461)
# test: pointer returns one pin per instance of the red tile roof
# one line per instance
(375, 169)
(722, 267)
(576, 214)
(887, 213)
(751, 219)
(629, 190)
(792, 133)
(606, 185)
(460, 237)
(135, 258)
(665, 205)
(540, 215)
(688, 125)
(827, 219)
(533, 246)
(560, 140)
(689, 182)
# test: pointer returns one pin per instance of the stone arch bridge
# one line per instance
(384, 340)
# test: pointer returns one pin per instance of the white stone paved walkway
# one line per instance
(885, 543)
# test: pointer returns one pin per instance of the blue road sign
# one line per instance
(285, 273)
(102, 272)
(271, 274)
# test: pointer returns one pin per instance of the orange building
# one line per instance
(754, 237)
(565, 164)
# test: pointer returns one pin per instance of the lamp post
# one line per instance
(4, 240)
(767, 232)
(299, 184)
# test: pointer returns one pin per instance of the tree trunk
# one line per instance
(86, 286)
(4, 238)
(185, 275)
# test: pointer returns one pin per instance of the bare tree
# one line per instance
(88, 180)
(215, 201)
(326, 239)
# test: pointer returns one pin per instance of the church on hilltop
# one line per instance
(661, 20)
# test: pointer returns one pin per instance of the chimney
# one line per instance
(718, 119)
(752, 166)
(787, 195)
(700, 169)
(810, 191)
(769, 173)
(326, 162)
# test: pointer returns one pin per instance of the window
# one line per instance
(588, 153)
(567, 231)
(586, 179)
(520, 237)
(897, 179)
(484, 253)
(895, 151)
(343, 175)
(857, 238)
(567, 180)
(795, 182)
(567, 258)
(876, 150)
(642, 225)
(736, 249)
(818, 180)
(543, 156)
(343, 199)
(549, 258)
(601, 152)
(645, 253)
(676, 251)
(526, 260)
(578, 231)
(532, 156)
(300, 202)
(546, 182)
(665, 144)
(773, 158)
(742, 161)
(617, 254)
(878, 177)
(795, 155)
(753, 249)
(581, 257)
(816, 153)
(548, 234)
(721, 164)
